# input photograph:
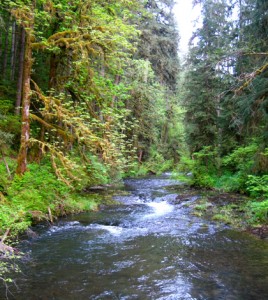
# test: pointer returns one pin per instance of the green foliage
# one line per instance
(93, 93)
(186, 163)
(238, 165)
(98, 172)
(9, 129)
(4, 178)
(242, 158)
(231, 182)
(76, 203)
(204, 167)
(258, 212)
(5, 139)
(202, 179)
(9, 266)
(257, 186)
(199, 169)
(30, 197)
(225, 98)
(157, 163)
(37, 190)
(44, 188)
(221, 218)
(13, 218)
(232, 172)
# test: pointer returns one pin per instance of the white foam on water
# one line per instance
(63, 227)
(115, 230)
(160, 208)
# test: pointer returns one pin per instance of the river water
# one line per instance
(148, 247)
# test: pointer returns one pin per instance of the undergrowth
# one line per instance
(242, 171)
(37, 196)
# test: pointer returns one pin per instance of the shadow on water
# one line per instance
(146, 248)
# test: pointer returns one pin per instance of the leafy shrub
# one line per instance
(4, 180)
(78, 203)
(31, 195)
(257, 186)
(98, 173)
(241, 159)
(186, 164)
(236, 167)
(14, 218)
(37, 190)
(231, 182)
(204, 167)
(156, 164)
(37, 187)
(204, 179)
(259, 212)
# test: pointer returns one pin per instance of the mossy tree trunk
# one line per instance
(26, 100)
(20, 71)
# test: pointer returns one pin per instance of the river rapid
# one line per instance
(148, 247)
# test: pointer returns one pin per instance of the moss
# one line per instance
(222, 218)
(197, 213)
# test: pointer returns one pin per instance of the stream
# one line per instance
(149, 247)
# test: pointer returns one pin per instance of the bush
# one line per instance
(29, 197)
(241, 159)
(4, 176)
(98, 173)
(204, 166)
(37, 188)
(259, 212)
(157, 164)
(257, 186)
(14, 218)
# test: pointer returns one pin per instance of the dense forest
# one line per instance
(94, 91)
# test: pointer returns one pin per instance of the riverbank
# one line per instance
(52, 199)
(35, 199)
(39, 196)
(233, 209)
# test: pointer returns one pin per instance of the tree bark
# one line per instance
(52, 71)
(1, 46)
(6, 51)
(13, 51)
(20, 75)
(26, 99)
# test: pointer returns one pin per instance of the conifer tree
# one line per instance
(205, 79)
(158, 45)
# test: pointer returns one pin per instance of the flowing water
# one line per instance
(147, 248)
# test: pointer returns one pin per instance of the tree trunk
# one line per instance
(1, 46)
(52, 71)
(6, 51)
(26, 99)
(20, 75)
(13, 51)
